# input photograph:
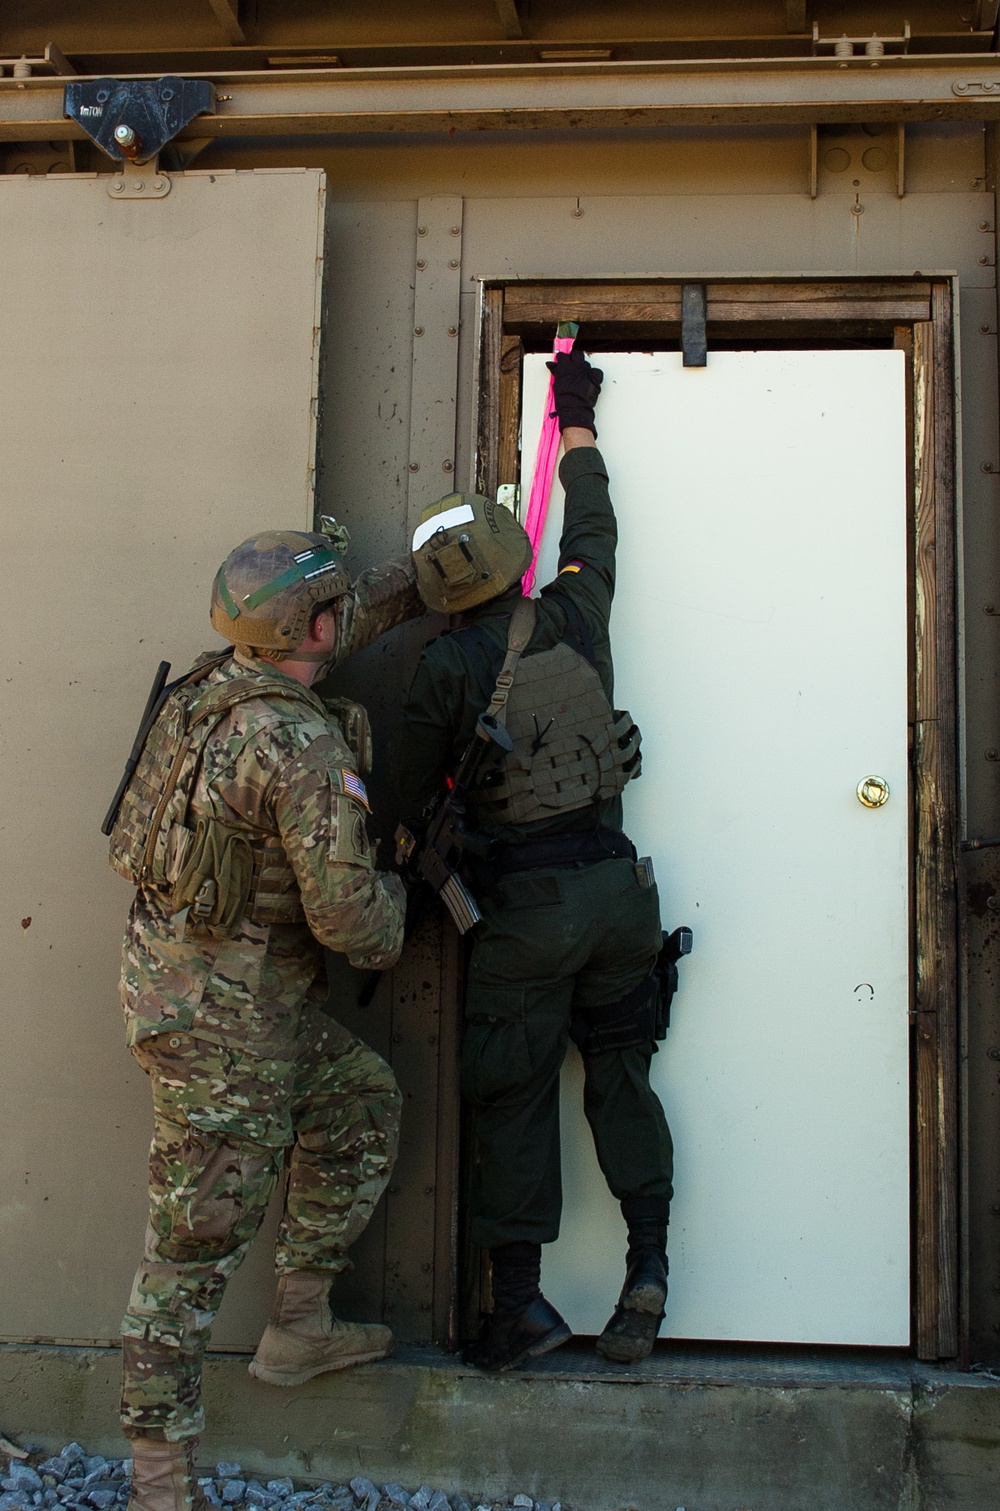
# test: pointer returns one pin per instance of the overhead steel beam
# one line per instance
(574, 96)
(509, 18)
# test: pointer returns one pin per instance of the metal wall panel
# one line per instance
(732, 201)
(158, 376)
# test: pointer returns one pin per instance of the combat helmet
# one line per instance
(467, 549)
(267, 589)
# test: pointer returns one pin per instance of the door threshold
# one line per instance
(687, 1362)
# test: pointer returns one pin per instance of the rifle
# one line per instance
(446, 839)
(158, 694)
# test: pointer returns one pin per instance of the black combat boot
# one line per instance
(523, 1324)
(631, 1332)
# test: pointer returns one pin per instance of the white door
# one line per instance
(760, 638)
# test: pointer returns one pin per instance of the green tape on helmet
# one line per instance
(268, 588)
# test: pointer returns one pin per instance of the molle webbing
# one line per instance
(154, 838)
(570, 749)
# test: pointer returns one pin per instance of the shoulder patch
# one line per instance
(355, 787)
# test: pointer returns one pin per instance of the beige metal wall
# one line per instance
(577, 206)
(158, 374)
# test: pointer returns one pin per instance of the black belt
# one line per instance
(585, 849)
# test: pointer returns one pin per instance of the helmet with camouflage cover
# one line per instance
(267, 590)
(467, 549)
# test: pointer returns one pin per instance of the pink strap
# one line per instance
(545, 471)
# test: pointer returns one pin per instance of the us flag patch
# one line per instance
(355, 787)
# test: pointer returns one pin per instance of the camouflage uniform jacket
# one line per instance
(277, 764)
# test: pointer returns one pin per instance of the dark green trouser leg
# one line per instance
(552, 941)
(631, 1136)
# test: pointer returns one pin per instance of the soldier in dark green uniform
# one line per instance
(571, 926)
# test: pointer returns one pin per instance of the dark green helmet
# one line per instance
(266, 590)
(467, 549)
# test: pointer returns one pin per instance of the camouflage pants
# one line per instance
(222, 1122)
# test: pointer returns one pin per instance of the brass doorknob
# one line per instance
(873, 791)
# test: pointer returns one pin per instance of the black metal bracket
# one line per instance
(132, 119)
(693, 308)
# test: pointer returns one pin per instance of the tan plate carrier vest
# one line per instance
(222, 872)
(571, 749)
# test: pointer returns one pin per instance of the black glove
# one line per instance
(575, 387)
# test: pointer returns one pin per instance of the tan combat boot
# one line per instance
(163, 1476)
(304, 1338)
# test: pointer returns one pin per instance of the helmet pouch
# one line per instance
(456, 561)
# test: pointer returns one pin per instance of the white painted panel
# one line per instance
(759, 632)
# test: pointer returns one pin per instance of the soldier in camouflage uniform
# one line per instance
(244, 829)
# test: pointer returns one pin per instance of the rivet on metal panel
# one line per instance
(987, 330)
(992, 610)
(993, 903)
(994, 1054)
(984, 225)
(453, 330)
(426, 1268)
(421, 230)
(456, 230)
(578, 212)
(432, 1038)
(418, 330)
(987, 466)
(985, 262)
(857, 208)
(993, 754)
(995, 1209)
(397, 1038)
(421, 264)
(414, 466)
(453, 262)
(428, 1190)
(447, 466)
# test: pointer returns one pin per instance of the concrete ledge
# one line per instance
(767, 1431)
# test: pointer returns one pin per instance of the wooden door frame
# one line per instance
(915, 315)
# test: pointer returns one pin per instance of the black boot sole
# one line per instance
(533, 1350)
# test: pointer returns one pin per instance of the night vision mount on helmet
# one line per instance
(266, 590)
(467, 549)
